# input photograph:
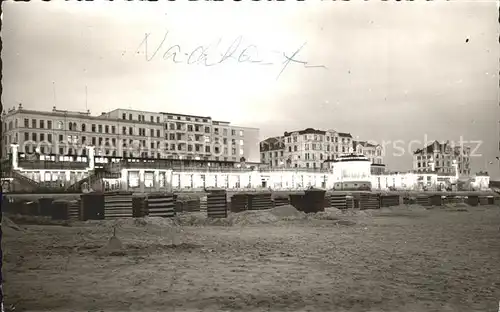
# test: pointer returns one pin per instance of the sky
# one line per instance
(383, 71)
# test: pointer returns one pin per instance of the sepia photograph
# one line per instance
(298, 155)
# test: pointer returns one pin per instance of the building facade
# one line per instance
(307, 148)
(128, 133)
(443, 158)
(373, 152)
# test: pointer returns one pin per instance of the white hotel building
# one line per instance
(128, 133)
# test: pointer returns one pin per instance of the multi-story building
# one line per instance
(129, 133)
(442, 158)
(307, 148)
(273, 152)
(373, 152)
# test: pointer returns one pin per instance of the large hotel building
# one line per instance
(312, 148)
(128, 133)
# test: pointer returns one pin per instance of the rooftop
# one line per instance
(317, 131)
(436, 146)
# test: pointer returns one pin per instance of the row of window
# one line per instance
(72, 126)
(440, 164)
(328, 148)
(439, 156)
(313, 165)
(307, 156)
(75, 139)
(199, 128)
(67, 154)
(141, 117)
(296, 149)
(112, 142)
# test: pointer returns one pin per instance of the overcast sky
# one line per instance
(394, 70)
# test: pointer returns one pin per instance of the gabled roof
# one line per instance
(363, 144)
(345, 135)
(434, 146)
(271, 144)
(317, 131)
(305, 131)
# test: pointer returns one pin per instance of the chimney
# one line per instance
(54, 108)
(20, 105)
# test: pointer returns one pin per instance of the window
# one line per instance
(42, 136)
(233, 132)
(207, 149)
(26, 123)
(49, 124)
(49, 138)
(158, 121)
(151, 118)
(93, 141)
(241, 142)
(241, 132)
(130, 131)
(241, 151)
(129, 116)
(26, 136)
(113, 129)
(207, 129)
(158, 133)
(84, 139)
(124, 130)
(124, 116)
(106, 129)
(151, 131)
(33, 123)
(61, 150)
(42, 124)
(93, 127)
(83, 127)
(33, 136)
(100, 128)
